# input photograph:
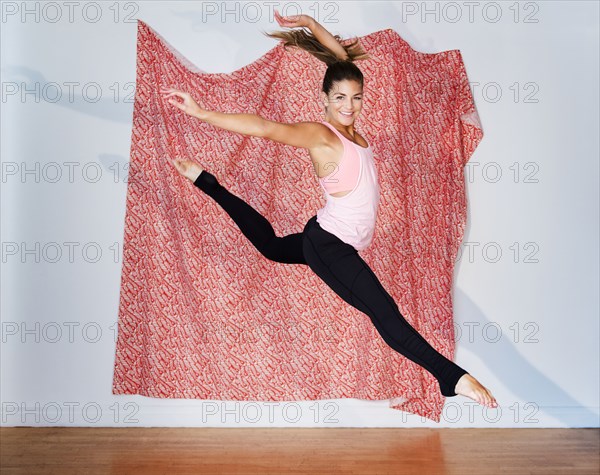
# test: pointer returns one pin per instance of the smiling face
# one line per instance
(344, 102)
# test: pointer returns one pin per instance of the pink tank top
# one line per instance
(351, 217)
(344, 175)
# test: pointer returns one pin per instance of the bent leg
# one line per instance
(339, 265)
(286, 249)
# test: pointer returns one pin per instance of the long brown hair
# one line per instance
(337, 69)
(306, 41)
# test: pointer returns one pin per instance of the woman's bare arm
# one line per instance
(246, 124)
(327, 39)
(319, 32)
(300, 134)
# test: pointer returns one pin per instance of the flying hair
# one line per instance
(306, 41)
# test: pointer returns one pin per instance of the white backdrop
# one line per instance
(526, 281)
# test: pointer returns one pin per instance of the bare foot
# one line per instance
(187, 168)
(468, 386)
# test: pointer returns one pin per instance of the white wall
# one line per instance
(535, 79)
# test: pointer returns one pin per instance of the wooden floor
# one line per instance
(172, 451)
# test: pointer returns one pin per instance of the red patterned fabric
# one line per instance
(202, 314)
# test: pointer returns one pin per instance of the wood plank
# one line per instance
(150, 451)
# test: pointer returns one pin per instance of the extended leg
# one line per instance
(370, 297)
(339, 266)
(286, 249)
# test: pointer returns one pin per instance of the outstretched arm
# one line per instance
(299, 134)
(247, 124)
(320, 33)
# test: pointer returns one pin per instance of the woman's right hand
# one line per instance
(188, 104)
(293, 21)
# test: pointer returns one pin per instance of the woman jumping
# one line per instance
(330, 240)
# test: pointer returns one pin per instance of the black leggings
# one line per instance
(339, 265)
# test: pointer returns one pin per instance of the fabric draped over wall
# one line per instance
(202, 314)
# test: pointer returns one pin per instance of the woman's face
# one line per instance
(344, 101)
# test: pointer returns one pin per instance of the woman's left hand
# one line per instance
(293, 21)
(189, 105)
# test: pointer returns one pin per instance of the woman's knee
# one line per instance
(278, 249)
(270, 250)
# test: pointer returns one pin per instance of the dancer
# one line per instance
(330, 240)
